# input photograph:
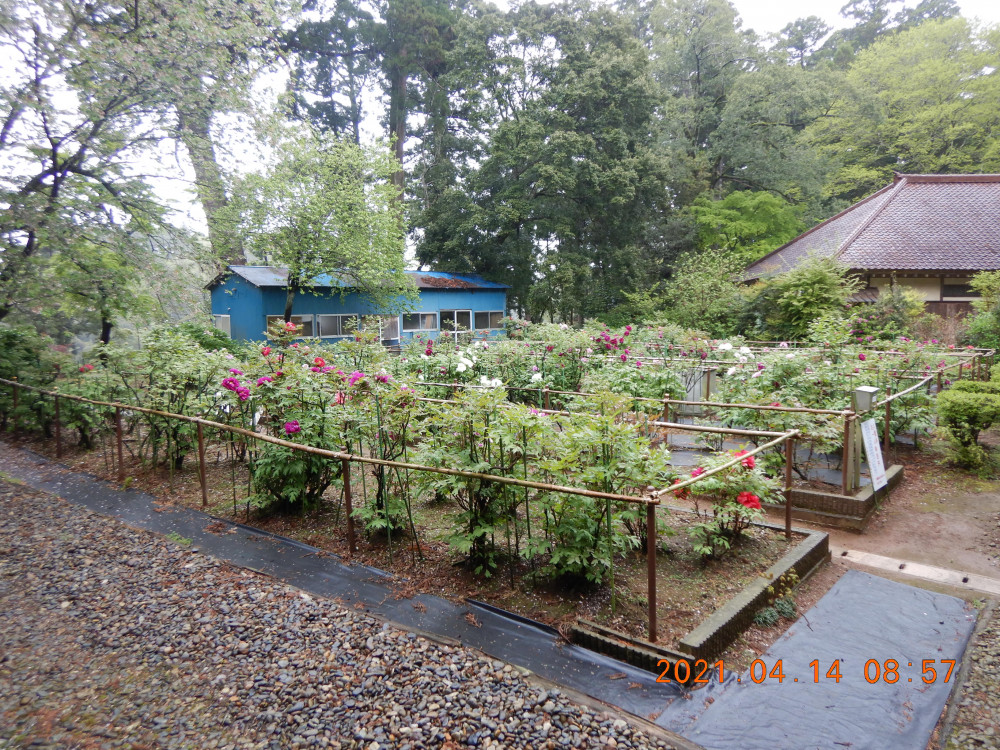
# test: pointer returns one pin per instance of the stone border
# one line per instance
(719, 629)
(842, 511)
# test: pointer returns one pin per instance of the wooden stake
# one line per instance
(118, 438)
(201, 466)
(651, 568)
(348, 504)
(789, 455)
(58, 430)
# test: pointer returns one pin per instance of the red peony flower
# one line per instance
(748, 500)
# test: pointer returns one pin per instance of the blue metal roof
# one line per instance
(272, 276)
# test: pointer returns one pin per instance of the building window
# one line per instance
(306, 321)
(223, 323)
(420, 321)
(456, 320)
(332, 326)
(390, 327)
(957, 289)
(489, 320)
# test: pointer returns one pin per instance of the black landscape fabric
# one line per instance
(862, 621)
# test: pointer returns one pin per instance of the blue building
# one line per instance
(245, 299)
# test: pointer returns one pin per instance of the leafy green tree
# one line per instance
(333, 59)
(746, 225)
(705, 293)
(328, 206)
(801, 37)
(699, 54)
(568, 139)
(66, 139)
(919, 101)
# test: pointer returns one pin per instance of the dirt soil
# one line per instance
(939, 516)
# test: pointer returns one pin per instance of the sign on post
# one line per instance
(873, 451)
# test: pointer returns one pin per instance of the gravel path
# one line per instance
(977, 719)
(112, 637)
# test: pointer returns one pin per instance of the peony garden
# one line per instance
(547, 461)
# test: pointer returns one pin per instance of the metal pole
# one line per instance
(348, 503)
(789, 454)
(888, 416)
(118, 437)
(201, 465)
(17, 419)
(651, 568)
(58, 429)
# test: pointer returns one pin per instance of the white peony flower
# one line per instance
(730, 371)
(536, 377)
(725, 346)
(461, 367)
(745, 350)
(789, 356)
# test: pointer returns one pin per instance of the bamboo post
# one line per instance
(348, 503)
(789, 454)
(888, 416)
(846, 456)
(547, 407)
(939, 383)
(118, 438)
(651, 568)
(201, 465)
(58, 429)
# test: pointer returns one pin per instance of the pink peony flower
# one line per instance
(292, 427)
(264, 379)
(265, 351)
(697, 471)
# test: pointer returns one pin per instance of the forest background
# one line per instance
(591, 156)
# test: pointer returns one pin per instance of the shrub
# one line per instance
(785, 306)
(964, 413)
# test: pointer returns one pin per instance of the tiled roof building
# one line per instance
(930, 232)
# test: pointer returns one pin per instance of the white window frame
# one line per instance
(404, 329)
(228, 328)
(454, 328)
(489, 314)
(340, 324)
(299, 319)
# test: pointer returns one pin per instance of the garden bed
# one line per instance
(689, 588)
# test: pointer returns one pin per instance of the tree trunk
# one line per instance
(397, 122)
(106, 326)
(194, 125)
(289, 299)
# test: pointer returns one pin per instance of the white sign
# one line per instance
(869, 432)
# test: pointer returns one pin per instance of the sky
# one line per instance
(769, 16)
